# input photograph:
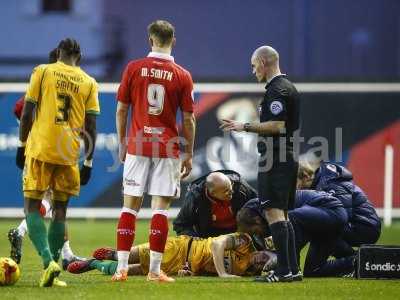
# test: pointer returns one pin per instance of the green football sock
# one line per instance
(38, 235)
(106, 267)
(56, 238)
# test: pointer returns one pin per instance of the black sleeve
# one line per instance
(248, 190)
(243, 194)
(275, 109)
(184, 222)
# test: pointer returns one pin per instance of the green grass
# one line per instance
(88, 235)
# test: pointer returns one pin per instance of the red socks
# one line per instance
(157, 238)
(42, 210)
(126, 229)
(158, 230)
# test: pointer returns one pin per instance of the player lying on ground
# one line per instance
(227, 256)
(15, 235)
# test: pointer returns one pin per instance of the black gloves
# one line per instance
(20, 157)
(85, 173)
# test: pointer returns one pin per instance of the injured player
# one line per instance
(230, 255)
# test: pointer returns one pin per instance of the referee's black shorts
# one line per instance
(277, 186)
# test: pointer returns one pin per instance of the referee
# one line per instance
(278, 165)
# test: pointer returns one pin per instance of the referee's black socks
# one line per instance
(280, 236)
(293, 263)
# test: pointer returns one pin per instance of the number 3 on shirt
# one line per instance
(155, 97)
(63, 109)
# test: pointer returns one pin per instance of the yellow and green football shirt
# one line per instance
(63, 94)
(236, 261)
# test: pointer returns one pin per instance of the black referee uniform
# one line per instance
(277, 186)
(277, 173)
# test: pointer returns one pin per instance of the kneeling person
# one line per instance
(364, 226)
(318, 218)
(211, 204)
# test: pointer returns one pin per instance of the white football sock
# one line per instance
(123, 257)
(47, 206)
(66, 251)
(155, 262)
(22, 228)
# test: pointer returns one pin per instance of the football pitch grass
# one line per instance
(85, 236)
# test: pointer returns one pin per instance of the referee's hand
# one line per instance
(231, 125)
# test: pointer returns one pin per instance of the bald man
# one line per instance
(211, 204)
(278, 164)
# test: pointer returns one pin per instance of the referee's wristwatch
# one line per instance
(246, 127)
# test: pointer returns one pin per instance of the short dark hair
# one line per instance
(53, 56)
(70, 46)
(247, 217)
(162, 31)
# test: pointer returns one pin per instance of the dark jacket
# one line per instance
(338, 181)
(194, 218)
(303, 198)
(316, 214)
(317, 199)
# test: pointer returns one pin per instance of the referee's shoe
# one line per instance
(273, 277)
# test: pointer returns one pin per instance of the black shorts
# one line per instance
(277, 186)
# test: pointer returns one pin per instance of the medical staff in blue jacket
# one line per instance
(318, 218)
(364, 226)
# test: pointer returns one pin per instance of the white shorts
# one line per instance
(152, 175)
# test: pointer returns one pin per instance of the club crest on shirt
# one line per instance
(331, 168)
(276, 107)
